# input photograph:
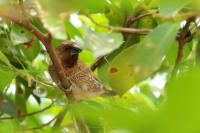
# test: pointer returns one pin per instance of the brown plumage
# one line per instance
(84, 84)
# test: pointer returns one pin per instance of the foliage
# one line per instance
(154, 72)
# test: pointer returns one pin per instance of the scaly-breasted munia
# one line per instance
(84, 84)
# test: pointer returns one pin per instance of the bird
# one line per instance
(84, 84)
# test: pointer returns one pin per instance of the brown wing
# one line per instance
(92, 82)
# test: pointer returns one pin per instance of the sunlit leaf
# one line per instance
(4, 59)
(114, 117)
(171, 7)
(140, 62)
(99, 18)
(31, 52)
(6, 76)
(182, 104)
(172, 54)
(20, 97)
(71, 30)
(88, 6)
(103, 67)
(121, 8)
(35, 20)
(5, 125)
(19, 35)
(198, 50)
(137, 62)
(87, 57)
(148, 22)
(100, 43)
(7, 105)
(60, 6)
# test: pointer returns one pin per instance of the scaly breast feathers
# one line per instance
(84, 84)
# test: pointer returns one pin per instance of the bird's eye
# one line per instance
(66, 48)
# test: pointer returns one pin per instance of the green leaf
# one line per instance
(100, 43)
(38, 23)
(56, 42)
(99, 18)
(87, 57)
(7, 105)
(115, 117)
(172, 54)
(152, 3)
(59, 6)
(195, 5)
(5, 2)
(88, 6)
(4, 59)
(20, 97)
(31, 53)
(6, 76)
(198, 50)
(172, 7)
(121, 8)
(180, 113)
(148, 22)
(5, 125)
(137, 62)
(103, 67)
(72, 31)
(19, 35)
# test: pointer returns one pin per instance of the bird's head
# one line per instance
(68, 52)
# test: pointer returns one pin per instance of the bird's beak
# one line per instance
(75, 50)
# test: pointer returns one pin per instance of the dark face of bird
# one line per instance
(68, 52)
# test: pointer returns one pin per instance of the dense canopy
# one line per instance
(146, 52)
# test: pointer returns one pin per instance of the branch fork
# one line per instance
(21, 18)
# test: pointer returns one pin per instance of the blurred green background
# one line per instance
(149, 98)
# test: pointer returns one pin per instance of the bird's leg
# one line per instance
(98, 61)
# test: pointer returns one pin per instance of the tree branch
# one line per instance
(121, 29)
(12, 13)
(98, 61)
(28, 114)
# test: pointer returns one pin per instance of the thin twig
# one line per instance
(137, 16)
(28, 114)
(127, 19)
(98, 61)
(182, 38)
(121, 29)
(178, 17)
(133, 19)
(41, 126)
